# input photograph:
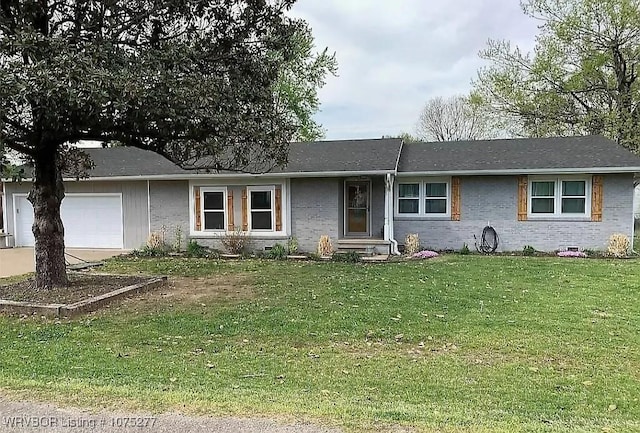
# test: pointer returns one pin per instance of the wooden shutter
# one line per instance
(230, 222)
(455, 199)
(278, 208)
(596, 198)
(523, 184)
(245, 216)
(197, 212)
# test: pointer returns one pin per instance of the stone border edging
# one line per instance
(80, 307)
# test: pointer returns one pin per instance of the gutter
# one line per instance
(390, 179)
(517, 171)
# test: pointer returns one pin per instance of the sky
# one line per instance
(395, 55)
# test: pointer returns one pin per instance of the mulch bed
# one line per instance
(81, 287)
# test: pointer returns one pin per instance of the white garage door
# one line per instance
(90, 221)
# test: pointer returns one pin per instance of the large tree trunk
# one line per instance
(46, 196)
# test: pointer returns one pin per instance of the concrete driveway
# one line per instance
(18, 261)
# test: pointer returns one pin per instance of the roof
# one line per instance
(375, 155)
(525, 155)
(129, 161)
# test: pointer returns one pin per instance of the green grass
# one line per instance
(459, 343)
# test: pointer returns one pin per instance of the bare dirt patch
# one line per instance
(81, 287)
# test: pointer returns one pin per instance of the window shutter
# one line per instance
(596, 198)
(245, 216)
(522, 198)
(278, 208)
(197, 211)
(230, 222)
(455, 199)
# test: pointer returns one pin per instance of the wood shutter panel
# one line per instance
(278, 208)
(455, 199)
(230, 222)
(197, 212)
(523, 184)
(596, 198)
(245, 216)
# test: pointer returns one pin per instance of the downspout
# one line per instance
(390, 204)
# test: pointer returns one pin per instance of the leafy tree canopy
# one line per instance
(581, 77)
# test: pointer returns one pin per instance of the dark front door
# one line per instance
(357, 207)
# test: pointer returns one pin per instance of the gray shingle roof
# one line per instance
(528, 154)
(129, 161)
(344, 155)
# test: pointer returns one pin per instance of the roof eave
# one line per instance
(569, 170)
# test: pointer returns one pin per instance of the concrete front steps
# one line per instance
(366, 246)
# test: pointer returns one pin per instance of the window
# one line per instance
(435, 198)
(560, 197)
(409, 198)
(427, 198)
(213, 209)
(261, 209)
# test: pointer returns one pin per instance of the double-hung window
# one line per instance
(428, 198)
(560, 197)
(213, 208)
(261, 208)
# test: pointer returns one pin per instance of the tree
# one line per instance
(453, 119)
(184, 78)
(299, 81)
(581, 77)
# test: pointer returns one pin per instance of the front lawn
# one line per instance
(458, 343)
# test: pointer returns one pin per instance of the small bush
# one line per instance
(411, 244)
(236, 242)
(292, 245)
(528, 250)
(194, 249)
(277, 252)
(148, 251)
(576, 254)
(426, 254)
(348, 257)
(619, 245)
(325, 248)
(465, 250)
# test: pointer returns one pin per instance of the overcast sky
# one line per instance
(394, 55)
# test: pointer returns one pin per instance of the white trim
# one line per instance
(346, 232)
(557, 197)
(522, 171)
(3, 203)
(225, 220)
(149, 207)
(422, 197)
(262, 188)
(73, 194)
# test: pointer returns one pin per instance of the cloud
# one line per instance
(395, 55)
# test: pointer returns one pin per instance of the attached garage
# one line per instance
(90, 221)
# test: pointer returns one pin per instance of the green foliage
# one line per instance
(277, 252)
(151, 251)
(582, 76)
(292, 245)
(464, 250)
(348, 257)
(194, 249)
(528, 250)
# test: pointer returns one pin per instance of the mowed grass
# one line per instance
(458, 343)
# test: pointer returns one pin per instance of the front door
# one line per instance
(357, 207)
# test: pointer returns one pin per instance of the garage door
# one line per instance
(90, 221)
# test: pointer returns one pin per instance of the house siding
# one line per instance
(315, 210)
(493, 200)
(169, 204)
(134, 205)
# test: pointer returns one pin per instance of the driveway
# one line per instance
(18, 261)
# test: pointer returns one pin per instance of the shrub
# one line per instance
(348, 257)
(236, 242)
(425, 254)
(577, 254)
(325, 248)
(148, 251)
(194, 249)
(464, 250)
(277, 252)
(528, 250)
(292, 245)
(411, 244)
(177, 239)
(619, 245)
